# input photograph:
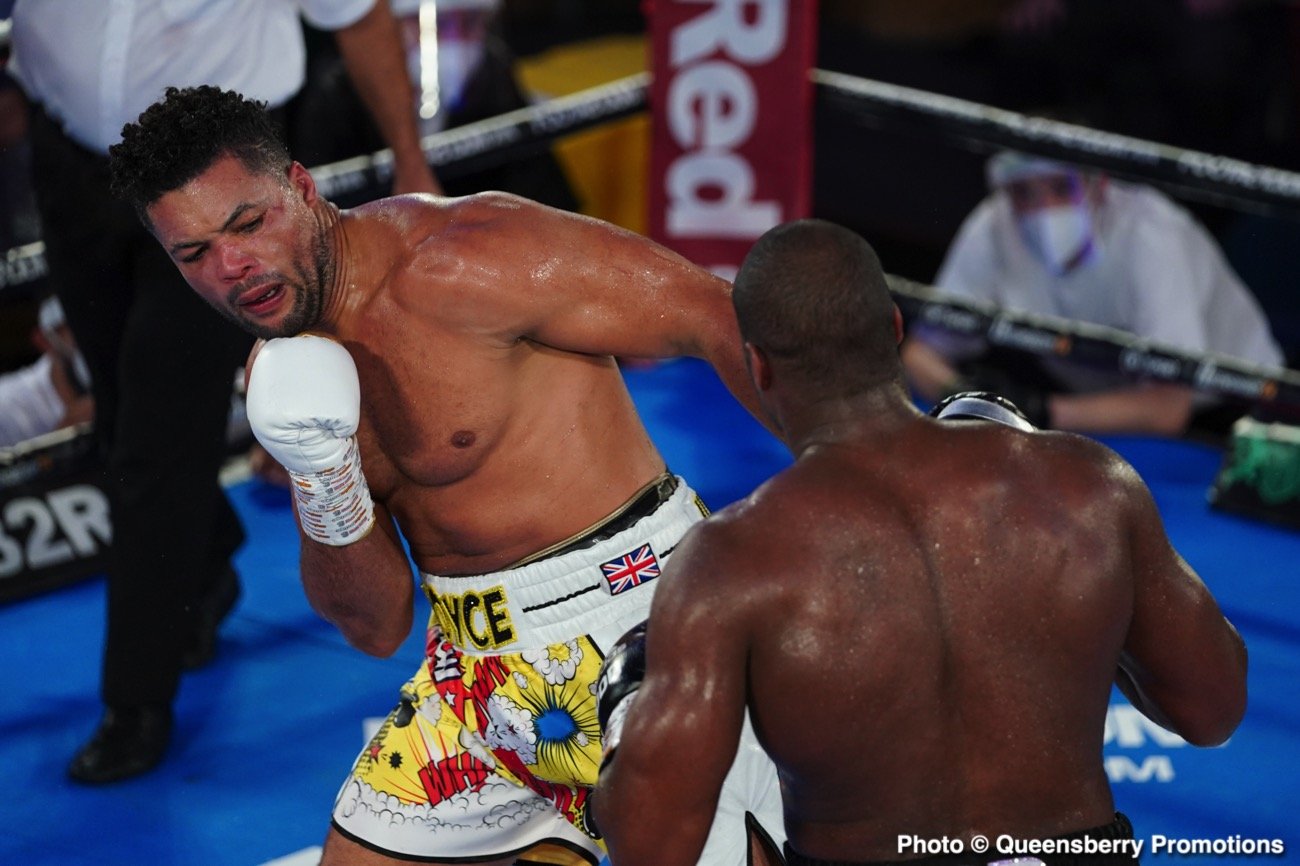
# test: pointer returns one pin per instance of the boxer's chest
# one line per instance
(429, 417)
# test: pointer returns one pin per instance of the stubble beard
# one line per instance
(306, 290)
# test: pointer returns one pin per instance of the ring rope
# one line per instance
(1220, 179)
(1098, 346)
(505, 137)
(495, 140)
(1194, 174)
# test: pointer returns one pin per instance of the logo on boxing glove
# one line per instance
(304, 407)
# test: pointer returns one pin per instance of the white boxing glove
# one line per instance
(304, 406)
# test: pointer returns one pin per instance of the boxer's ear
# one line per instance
(302, 181)
(760, 368)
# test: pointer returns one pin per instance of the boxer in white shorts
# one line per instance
(494, 746)
(439, 378)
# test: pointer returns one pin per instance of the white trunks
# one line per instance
(494, 746)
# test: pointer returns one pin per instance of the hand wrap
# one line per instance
(304, 407)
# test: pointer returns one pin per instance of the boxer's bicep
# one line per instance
(592, 287)
(621, 294)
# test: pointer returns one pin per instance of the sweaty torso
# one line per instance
(485, 445)
(957, 617)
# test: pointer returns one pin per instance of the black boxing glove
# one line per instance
(1029, 398)
(620, 676)
(981, 406)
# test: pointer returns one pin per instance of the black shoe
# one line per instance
(213, 610)
(128, 742)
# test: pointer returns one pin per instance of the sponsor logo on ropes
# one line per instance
(45, 531)
(1210, 375)
(953, 318)
(1013, 335)
(1139, 361)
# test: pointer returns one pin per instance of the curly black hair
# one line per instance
(177, 138)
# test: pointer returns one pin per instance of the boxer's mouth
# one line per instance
(260, 299)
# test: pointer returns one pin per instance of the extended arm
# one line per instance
(583, 285)
(684, 724)
(376, 62)
(1183, 665)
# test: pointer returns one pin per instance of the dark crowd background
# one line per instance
(1221, 76)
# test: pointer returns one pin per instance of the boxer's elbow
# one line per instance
(382, 648)
(1214, 728)
(1203, 709)
(375, 639)
(371, 606)
(1221, 714)
(376, 632)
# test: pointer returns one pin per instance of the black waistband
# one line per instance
(1120, 828)
(647, 502)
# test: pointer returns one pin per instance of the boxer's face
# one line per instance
(250, 244)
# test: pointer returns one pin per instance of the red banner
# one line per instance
(731, 108)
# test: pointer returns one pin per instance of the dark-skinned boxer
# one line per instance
(924, 618)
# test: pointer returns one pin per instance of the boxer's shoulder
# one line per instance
(762, 532)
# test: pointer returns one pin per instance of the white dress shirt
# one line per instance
(95, 65)
(1157, 273)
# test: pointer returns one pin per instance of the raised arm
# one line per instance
(1183, 665)
(683, 726)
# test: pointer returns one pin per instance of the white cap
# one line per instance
(1010, 166)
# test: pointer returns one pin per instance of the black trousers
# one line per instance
(163, 364)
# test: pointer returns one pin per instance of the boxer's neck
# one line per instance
(870, 416)
(339, 268)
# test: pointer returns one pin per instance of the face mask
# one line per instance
(1057, 236)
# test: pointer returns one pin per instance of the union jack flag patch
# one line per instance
(631, 569)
